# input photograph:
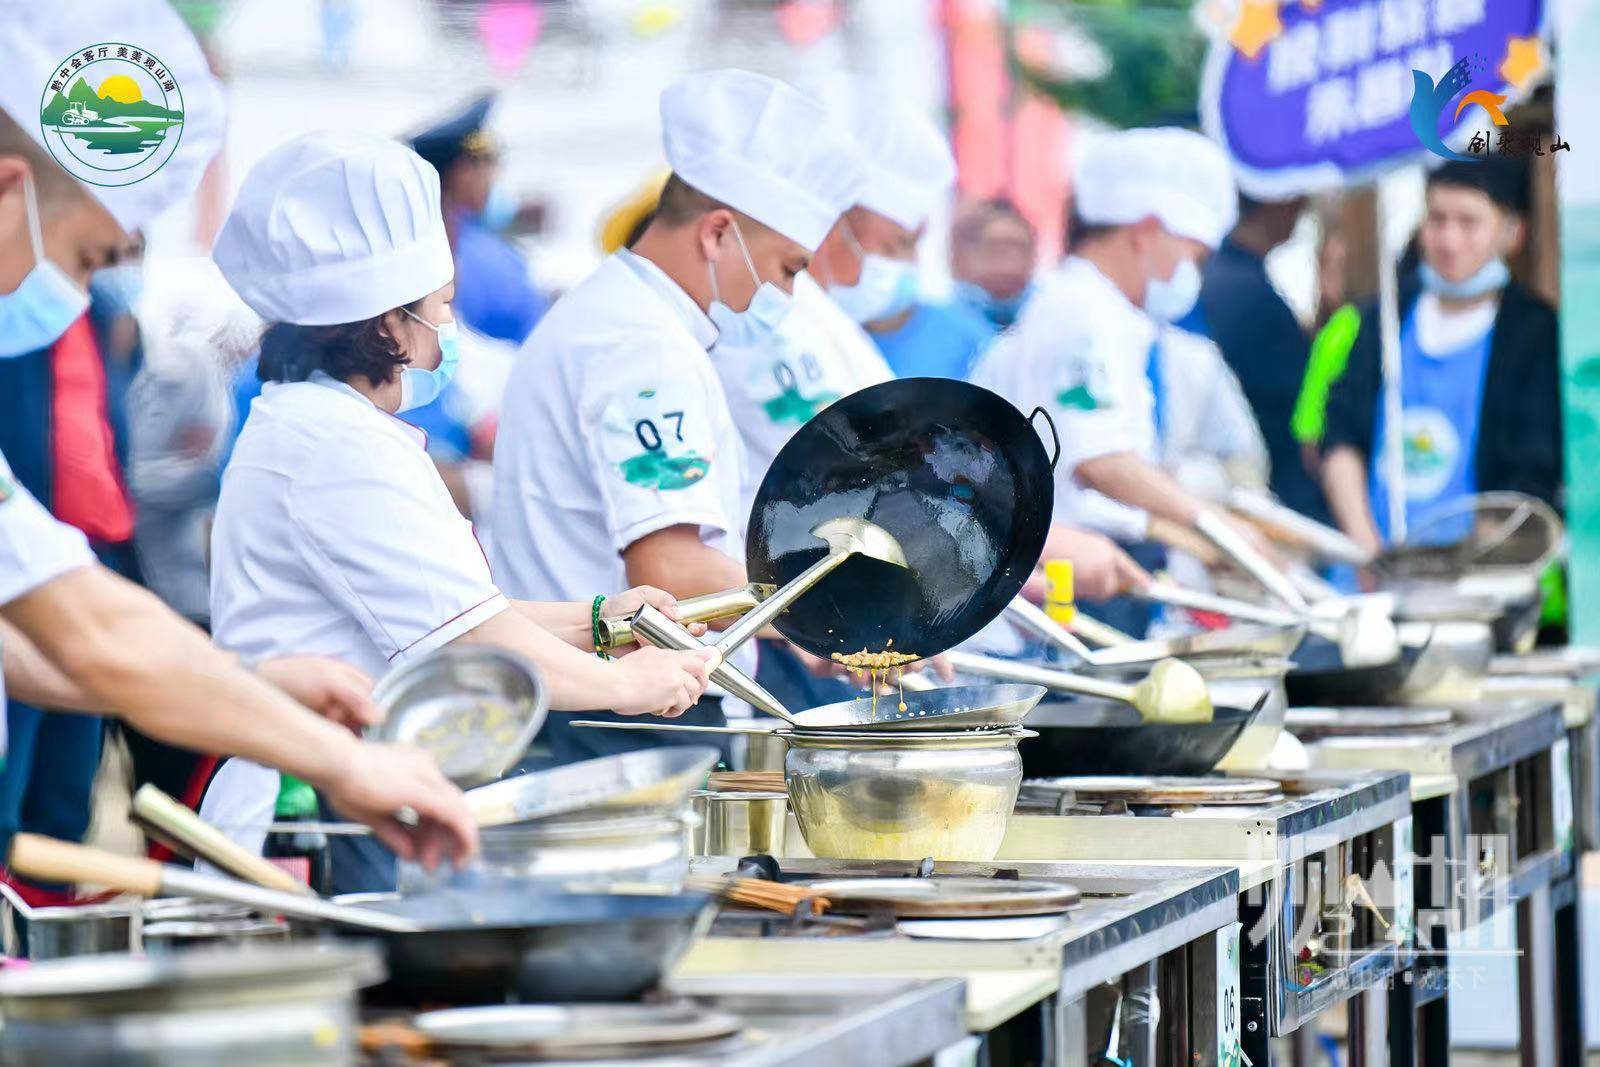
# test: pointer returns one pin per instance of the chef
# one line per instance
(1149, 206)
(334, 532)
(618, 460)
(73, 635)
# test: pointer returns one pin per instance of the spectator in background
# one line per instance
(1262, 340)
(1480, 368)
(993, 252)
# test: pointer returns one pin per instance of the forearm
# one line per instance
(676, 560)
(1125, 477)
(1344, 481)
(577, 680)
(571, 623)
(31, 678)
(132, 657)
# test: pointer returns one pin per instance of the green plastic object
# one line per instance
(296, 800)
(1330, 354)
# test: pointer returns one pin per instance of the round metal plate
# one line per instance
(947, 898)
(1359, 720)
(575, 1031)
(949, 708)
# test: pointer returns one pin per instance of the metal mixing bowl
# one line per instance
(476, 708)
(904, 796)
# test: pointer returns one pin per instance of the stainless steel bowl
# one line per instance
(476, 708)
(904, 796)
(1454, 660)
(571, 852)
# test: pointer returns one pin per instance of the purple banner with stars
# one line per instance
(1311, 95)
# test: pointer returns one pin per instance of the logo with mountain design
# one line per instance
(111, 114)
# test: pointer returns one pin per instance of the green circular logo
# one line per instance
(111, 114)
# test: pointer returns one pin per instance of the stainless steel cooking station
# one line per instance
(1294, 854)
(1493, 828)
(1050, 990)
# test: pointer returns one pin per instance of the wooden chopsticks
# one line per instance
(758, 893)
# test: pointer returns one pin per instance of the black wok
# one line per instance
(1319, 677)
(954, 472)
(491, 946)
(1089, 736)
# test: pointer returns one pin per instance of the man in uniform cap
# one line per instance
(870, 263)
(494, 294)
(1149, 207)
(74, 635)
(618, 458)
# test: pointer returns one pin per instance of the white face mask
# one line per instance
(1170, 299)
(46, 303)
(885, 289)
(755, 324)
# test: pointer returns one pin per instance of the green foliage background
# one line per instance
(1155, 50)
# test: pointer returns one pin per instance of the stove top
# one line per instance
(1146, 796)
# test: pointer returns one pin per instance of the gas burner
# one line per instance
(1139, 795)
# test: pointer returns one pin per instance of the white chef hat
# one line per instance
(762, 148)
(335, 227)
(910, 169)
(41, 40)
(1181, 177)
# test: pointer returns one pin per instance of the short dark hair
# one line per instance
(1501, 180)
(681, 203)
(292, 353)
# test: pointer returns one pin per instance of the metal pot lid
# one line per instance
(976, 738)
(990, 706)
(658, 779)
(947, 897)
(1353, 720)
(578, 1030)
(1240, 640)
(1131, 786)
(73, 982)
(588, 827)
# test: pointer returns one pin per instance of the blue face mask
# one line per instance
(418, 387)
(1000, 312)
(755, 324)
(119, 287)
(1486, 279)
(885, 289)
(39, 311)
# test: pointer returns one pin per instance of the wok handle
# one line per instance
(1242, 552)
(1164, 591)
(756, 620)
(1027, 674)
(168, 818)
(709, 607)
(44, 859)
(1098, 632)
(1055, 438)
(597, 724)
(654, 627)
(1032, 619)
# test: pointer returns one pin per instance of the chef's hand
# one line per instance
(383, 779)
(334, 690)
(1100, 568)
(1255, 538)
(625, 604)
(658, 681)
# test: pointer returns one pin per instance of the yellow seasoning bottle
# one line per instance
(1058, 598)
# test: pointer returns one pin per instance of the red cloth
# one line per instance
(88, 489)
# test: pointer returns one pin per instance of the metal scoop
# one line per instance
(1362, 629)
(1173, 691)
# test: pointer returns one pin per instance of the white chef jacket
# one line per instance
(35, 548)
(613, 426)
(1210, 440)
(817, 355)
(335, 536)
(1080, 350)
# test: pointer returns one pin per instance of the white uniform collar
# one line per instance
(682, 305)
(329, 382)
(1086, 268)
